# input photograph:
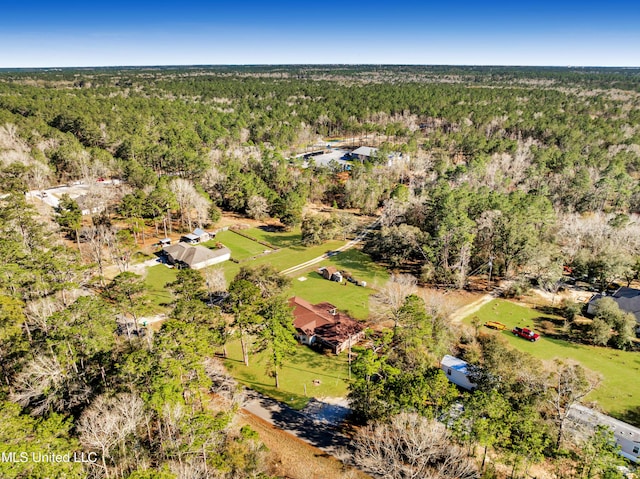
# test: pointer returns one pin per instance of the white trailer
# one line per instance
(457, 372)
(626, 435)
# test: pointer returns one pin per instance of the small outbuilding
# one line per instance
(457, 372)
(331, 273)
(189, 239)
(197, 236)
(202, 235)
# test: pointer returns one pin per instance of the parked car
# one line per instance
(525, 333)
(495, 325)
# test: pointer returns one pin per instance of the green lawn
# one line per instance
(282, 258)
(350, 298)
(157, 277)
(302, 369)
(361, 266)
(619, 392)
(241, 247)
(293, 255)
(278, 239)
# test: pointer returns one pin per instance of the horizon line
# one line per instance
(205, 65)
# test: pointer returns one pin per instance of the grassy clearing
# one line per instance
(361, 266)
(283, 239)
(240, 246)
(283, 258)
(141, 257)
(302, 369)
(157, 277)
(619, 392)
(350, 298)
(294, 255)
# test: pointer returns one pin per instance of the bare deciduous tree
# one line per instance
(189, 201)
(393, 212)
(44, 384)
(223, 385)
(108, 421)
(215, 280)
(411, 446)
(567, 385)
(39, 311)
(97, 237)
(213, 179)
(257, 207)
(390, 298)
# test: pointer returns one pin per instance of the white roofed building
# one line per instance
(626, 435)
(457, 372)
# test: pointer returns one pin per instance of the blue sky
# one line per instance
(73, 33)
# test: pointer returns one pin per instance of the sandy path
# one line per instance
(471, 308)
(459, 314)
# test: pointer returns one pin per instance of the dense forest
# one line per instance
(524, 172)
(490, 164)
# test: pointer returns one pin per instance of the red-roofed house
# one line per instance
(322, 323)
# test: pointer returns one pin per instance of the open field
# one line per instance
(283, 239)
(350, 298)
(156, 278)
(240, 246)
(293, 255)
(292, 458)
(619, 392)
(302, 369)
(283, 258)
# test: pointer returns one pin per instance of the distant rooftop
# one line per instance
(365, 151)
(325, 159)
(628, 300)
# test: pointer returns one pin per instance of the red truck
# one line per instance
(525, 333)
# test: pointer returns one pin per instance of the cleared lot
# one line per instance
(619, 392)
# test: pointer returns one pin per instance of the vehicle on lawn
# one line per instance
(495, 325)
(525, 333)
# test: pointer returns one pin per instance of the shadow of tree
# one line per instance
(631, 416)
(546, 309)
(278, 236)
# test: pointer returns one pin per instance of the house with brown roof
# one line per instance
(323, 324)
